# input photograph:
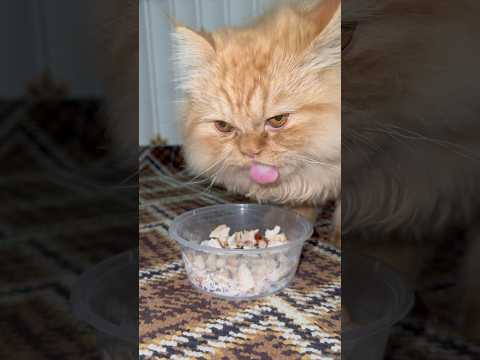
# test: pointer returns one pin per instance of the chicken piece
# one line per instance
(221, 233)
(275, 237)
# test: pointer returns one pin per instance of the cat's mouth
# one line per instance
(263, 174)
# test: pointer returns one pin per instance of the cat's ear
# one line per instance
(325, 49)
(193, 52)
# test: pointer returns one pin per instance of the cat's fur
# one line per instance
(286, 62)
(410, 127)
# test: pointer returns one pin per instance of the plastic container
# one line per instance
(376, 297)
(240, 274)
(106, 297)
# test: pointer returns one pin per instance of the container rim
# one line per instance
(81, 292)
(173, 230)
(399, 309)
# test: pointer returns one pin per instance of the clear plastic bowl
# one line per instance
(106, 297)
(240, 274)
(376, 297)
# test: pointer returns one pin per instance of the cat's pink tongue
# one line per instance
(263, 174)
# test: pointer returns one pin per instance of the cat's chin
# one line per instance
(241, 182)
(294, 185)
(284, 174)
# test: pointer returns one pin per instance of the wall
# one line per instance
(46, 33)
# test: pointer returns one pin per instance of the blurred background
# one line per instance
(66, 203)
(40, 34)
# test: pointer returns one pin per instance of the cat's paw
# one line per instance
(308, 212)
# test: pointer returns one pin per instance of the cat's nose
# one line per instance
(250, 146)
(251, 153)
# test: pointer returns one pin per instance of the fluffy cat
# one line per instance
(410, 131)
(262, 114)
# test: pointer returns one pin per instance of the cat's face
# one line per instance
(263, 110)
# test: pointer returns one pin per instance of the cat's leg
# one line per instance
(308, 212)
(471, 327)
(311, 213)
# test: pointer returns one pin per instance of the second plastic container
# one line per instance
(106, 297)
(376, 297)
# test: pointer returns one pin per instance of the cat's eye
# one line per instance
(223, 126)
(348, 30)
(278, 121)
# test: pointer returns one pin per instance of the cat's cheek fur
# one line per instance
(199, 158)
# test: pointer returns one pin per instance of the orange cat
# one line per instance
(262, 112)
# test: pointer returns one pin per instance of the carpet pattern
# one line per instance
(178, 322)
(54, 224)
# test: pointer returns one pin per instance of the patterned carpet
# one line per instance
(177, 322)
(55, 222)
(431, 329)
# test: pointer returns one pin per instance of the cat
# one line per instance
(262, 109)
(410, 156)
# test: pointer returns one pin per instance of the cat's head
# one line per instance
(262, 112)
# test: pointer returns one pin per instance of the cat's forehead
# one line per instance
(247, 56)
(248, 99)
(248, 79)
(260, 71)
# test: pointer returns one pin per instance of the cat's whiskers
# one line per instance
(391, 134)
(214, 178)
(313, 161)
(212, 166)
(395, 130)
(363, 139)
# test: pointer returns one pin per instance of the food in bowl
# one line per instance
(267, 262)
(246, 239)
(244, 275)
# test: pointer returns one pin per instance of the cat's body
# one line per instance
(410, 130)
(263, 104)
